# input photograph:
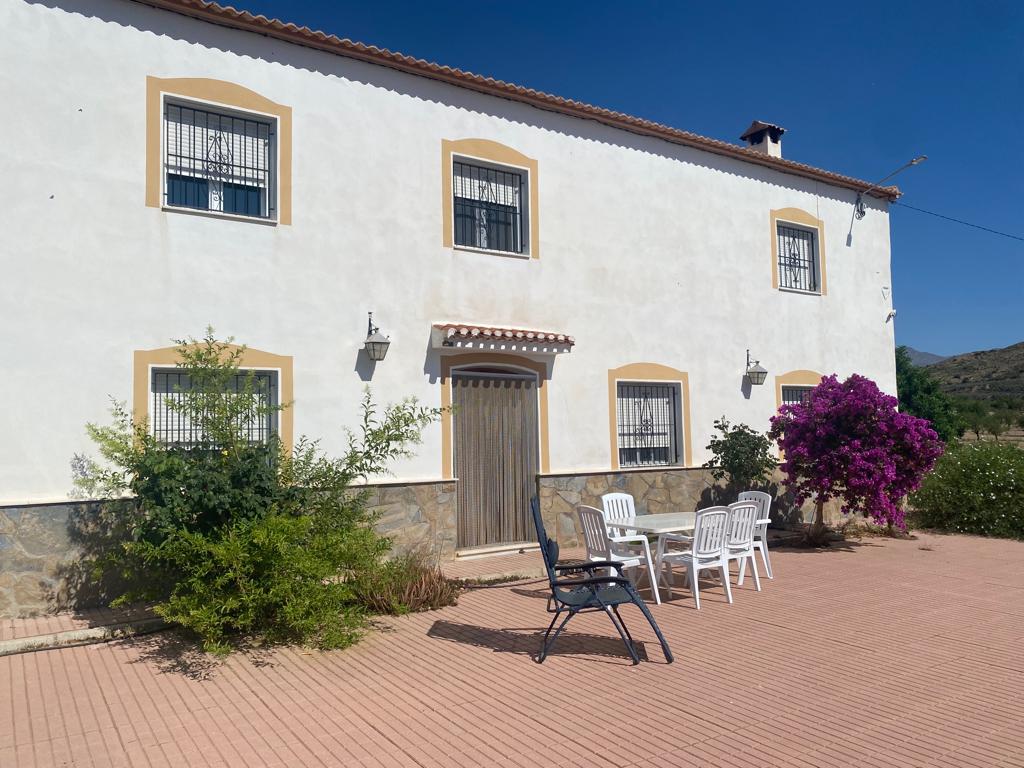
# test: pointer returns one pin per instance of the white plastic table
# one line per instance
(669, 522)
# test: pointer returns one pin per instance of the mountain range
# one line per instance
(982, 375)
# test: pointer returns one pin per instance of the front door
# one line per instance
(496, 456)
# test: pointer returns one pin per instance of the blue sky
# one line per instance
(861, 87)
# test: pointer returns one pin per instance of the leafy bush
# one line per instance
(742, 455)
(235, 538)
(920, 395)
(405, 584)
(974, 488)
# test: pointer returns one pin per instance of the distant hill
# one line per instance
(983, 375)
(923, 358)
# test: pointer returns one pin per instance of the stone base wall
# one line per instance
(655, 491)
(42, 546)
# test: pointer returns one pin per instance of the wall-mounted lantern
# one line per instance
(755, 372)
(376, 344)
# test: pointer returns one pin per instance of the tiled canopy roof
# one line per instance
(457, 332)
(230, 17)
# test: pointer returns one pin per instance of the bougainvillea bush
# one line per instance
(847, 440)
(974, 488)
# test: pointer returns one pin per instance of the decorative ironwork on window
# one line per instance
(648, 417)
(798, 258)
(488, 207)
(174, 426)
(219, 162)
(794, 395)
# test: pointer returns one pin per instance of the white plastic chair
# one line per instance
(740, 545)
(618, 507)
(764, 508)
(707, 550)
(601, 546)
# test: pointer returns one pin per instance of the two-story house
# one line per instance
(584, 286)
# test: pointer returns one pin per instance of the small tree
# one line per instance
(234, 538)
(847, 440)
(742, 455)
(919, 395)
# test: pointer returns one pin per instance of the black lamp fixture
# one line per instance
(376, 344)
(755, 372)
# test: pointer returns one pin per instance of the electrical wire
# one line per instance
(959, 221)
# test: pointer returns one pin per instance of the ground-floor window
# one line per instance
(175, 427)
(648, 416)
(794, 395)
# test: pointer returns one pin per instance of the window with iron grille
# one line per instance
(219, 161)
(648, 417)
(798, 258)
(488, 207)
(172, 426)
(794, 395)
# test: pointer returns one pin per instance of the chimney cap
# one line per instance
(755, 133)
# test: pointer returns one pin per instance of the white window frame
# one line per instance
(273, 187)
(676, 446)
(524, 203)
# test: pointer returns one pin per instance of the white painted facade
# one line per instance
(649, 251)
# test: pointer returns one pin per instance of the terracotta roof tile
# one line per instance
(465, 332)
(228, 16)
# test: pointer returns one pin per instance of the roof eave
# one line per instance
(261, 25)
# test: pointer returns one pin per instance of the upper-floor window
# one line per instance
(216, 160)
(795, 395)
(173, 425)
(488, 206)
(648, 419)
(799, 266)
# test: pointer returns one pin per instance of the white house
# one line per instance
(584, 285)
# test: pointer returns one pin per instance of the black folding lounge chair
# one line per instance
(592, 593)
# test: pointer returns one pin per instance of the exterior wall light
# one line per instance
(376, 344)
(755, 372)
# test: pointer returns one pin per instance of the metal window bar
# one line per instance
(795, 395)
(219, 162)
(647, 417)
(173, 426)
(798, 259)
(488, 207)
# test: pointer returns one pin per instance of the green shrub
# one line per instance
(405, 584)
(741, 455)
(974, 488)
(233, 538)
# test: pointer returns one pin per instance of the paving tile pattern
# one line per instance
(887, 653)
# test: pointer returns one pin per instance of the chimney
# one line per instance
(764, 137)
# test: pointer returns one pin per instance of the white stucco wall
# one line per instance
(650, 252)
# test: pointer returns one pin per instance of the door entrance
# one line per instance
(496, 455)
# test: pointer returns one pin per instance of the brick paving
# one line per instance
(880, 653)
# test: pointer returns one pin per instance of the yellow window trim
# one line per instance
(493, 152)
(801, 378)
(168, 357)
(803, 219)
(648, 372)
(229, 95)
(448, 362)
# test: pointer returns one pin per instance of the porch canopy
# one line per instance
(489, 338)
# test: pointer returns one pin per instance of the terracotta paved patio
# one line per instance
(883, 653)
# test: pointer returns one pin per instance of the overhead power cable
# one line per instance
(959, 221)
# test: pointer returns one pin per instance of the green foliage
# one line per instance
(974, 488)
(742, 455)
(405, 584)
(919, 395)
(235, 538)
